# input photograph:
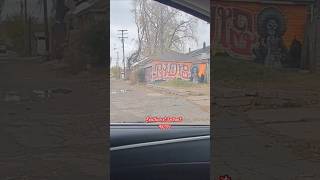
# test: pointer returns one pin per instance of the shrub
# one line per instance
(14, 32)
(141, 75)
(115, 71)
(137, 76)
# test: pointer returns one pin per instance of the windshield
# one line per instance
(160, 59)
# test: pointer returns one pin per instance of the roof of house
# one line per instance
(142, 61)
(88, 5)
(82, 6)
(173, 56)
(200, 51)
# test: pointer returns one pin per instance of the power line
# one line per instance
(122, 40)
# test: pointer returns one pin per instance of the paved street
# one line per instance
(131, 103)
(267, 144)
(52, 125)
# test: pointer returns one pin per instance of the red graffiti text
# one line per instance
(166, 71)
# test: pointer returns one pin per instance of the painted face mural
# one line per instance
(271, 27)
(194, 73)
(270, 21)
(258, 34)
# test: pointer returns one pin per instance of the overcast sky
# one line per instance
(122, 18)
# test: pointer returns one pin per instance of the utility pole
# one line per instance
(45, 11)
(29, 36)
(21, 8)
(124, 61)
(117, 59)
(117, 63)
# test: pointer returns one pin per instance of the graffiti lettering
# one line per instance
(235, 28)
(169, 70)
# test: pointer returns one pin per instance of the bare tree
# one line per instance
(1, 6)
(162, 28)
(52, 5)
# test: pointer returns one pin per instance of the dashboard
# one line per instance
(143, 151)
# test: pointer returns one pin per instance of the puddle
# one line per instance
(12, 97)
(49, 92)
(61, 91)
(42, 93)
(121, 91)
(154, 94)
(15, 96)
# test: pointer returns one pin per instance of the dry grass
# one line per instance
(178, 83)
(234, 72)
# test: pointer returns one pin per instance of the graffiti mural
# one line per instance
(235, 30)
(270, 50)
(194, 73)
(171, 70)
(198, 73)
(258, 34)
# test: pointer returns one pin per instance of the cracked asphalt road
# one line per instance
(263, 144)
(131, 103)
(61, 136)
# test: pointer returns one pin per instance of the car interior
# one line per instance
(142, 151)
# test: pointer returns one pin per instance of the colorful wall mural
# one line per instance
(163, 70)
(234, 30)
(256, 31)
(198, 73)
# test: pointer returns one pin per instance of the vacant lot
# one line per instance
(241, 73)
